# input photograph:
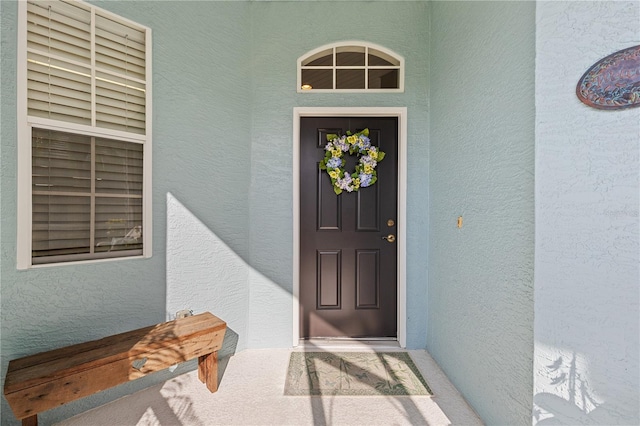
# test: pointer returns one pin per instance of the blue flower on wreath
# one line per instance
(363, 144)
(334, 163)
(365, 179)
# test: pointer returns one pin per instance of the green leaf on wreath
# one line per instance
(323, 166)
(381, 155)
(365, 132)
(373, 180)
(331, 136)
(337, 190)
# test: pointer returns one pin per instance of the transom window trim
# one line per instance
(128, 78)
(387, 60)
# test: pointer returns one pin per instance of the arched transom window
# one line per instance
(350, 67)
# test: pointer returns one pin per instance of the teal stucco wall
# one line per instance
(224, 92)
(224, 76)
(282, 32)
(480, 308)
(201, 177)
(587, 283)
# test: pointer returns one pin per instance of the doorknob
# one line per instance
(391, 238)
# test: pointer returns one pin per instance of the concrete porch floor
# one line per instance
(251, 392)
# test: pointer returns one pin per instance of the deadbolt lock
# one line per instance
(390, 223)
(390, 238)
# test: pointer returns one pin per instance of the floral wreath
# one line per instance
(365, 171)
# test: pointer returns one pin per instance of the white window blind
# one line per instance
(120, 88)
(65, 67)
(87, 197)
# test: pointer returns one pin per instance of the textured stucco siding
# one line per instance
(223, 98)
(201, 150)
(224, 75)
(587, 291)
(480, 308)
(282, 32)
(203, 163)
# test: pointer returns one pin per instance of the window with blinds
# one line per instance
(87, 91)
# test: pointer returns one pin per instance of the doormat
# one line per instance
(354, 373)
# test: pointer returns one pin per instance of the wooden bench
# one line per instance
(47, 380)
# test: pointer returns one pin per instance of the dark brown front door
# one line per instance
(347, 269)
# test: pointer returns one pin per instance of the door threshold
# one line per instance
(348, 344)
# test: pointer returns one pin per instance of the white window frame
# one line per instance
(25, 123)
(366, 67)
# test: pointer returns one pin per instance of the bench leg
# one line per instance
(208, 371)
(30, 421)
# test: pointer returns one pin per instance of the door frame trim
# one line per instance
(401, 114)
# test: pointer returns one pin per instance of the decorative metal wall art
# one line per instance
(612, 82)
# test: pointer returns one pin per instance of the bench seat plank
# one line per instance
(43, 381)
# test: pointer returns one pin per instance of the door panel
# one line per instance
(329, 206)
(328, 279)
(368, 209)
(367, 279)
(348, 284)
